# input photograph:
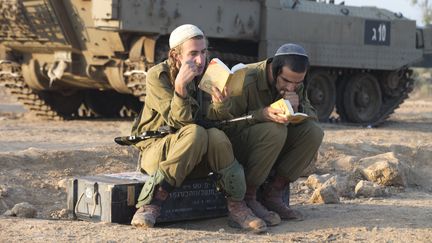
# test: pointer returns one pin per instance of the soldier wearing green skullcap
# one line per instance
(173, 100)
(266, 143)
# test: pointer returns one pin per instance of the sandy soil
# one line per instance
(36, 157)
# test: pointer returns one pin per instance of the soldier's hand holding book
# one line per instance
(220, 97)
(275, 115)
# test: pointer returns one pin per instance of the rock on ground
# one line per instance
(384, 169)
(24, 210)
(368, 189)
(325, 194)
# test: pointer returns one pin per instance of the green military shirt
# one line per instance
(163, 107)
(257, 94)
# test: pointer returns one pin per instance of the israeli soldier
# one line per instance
(191, 151)
(266, 143)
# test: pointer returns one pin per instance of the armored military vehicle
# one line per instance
(78, 58)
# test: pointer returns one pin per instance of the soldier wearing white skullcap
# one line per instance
(183, 33)
(268, 144)
(173, 99)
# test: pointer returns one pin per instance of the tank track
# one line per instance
(135, 80)
(389, 106)
(12, 79)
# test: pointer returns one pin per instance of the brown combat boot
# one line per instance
(273, 199)
(271, 218)
(240, 216)
(146, 215)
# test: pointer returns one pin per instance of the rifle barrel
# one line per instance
(248, 117)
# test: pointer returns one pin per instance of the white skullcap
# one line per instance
(291, 49)
(183, 33)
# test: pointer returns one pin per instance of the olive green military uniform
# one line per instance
(261, 145)
(191, 150)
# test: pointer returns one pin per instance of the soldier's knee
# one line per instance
(215, 133)
(197, 134)
(275, 132)
(218, 139)
(315, 133)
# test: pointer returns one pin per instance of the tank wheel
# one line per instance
(104, 103)
(392, 83)
(362, 98)
(321, 91)
(65, 105)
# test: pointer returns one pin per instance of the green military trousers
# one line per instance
(190, 152)
(190, 149)
(287, 149)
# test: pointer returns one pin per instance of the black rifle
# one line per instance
(131, 140)
(162, 131)
(219, 124)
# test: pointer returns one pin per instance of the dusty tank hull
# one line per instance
(79, 58)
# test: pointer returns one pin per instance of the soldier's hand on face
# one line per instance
(275, 115)
(186, 74)
(293, 99)
(218, 96)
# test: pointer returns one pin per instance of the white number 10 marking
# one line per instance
(382, 32)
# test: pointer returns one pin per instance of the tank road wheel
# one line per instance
(104, 103)
(321, 91)
(393, 83)
(362, 99)
(65, 105)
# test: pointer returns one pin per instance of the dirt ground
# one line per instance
(36, 156)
